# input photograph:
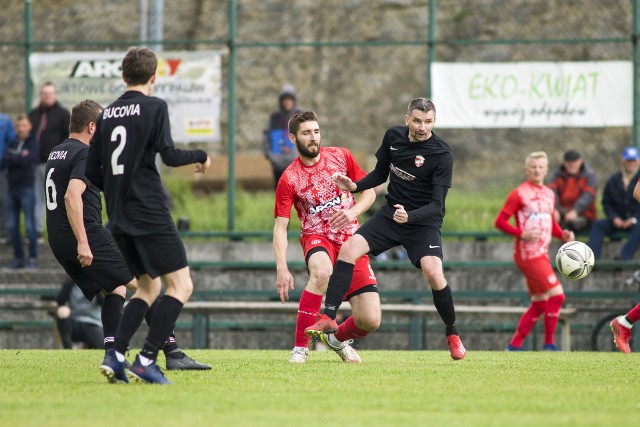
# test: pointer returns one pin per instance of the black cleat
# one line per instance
(178, 361)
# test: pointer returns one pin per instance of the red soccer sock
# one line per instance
(348, 330)
(551, 315)
(634, 314)
(307, 309)
(528, 319)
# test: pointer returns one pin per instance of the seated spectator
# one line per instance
(621, 209)
(78, 319)
(277, 147)
(574, 183)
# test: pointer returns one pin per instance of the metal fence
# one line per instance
(355, 62)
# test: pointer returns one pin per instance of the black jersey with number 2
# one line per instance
(121, 161)
(66, 162)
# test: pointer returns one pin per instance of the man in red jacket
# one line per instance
(574, 184)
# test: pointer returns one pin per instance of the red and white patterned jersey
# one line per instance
(533, 207)
(312, 191)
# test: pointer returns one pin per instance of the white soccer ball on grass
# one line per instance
(575, 260)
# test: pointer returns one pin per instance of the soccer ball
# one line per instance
(575, 260)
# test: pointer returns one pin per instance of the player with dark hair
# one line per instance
(329, 218)
(80, 243)
(419, 165)
(121, 161)
(533, 204)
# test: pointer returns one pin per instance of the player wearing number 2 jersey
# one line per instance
(532, 203)
(329, 218)
(78, 239)
(121, 161)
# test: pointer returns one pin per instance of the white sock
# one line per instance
(145, 360)
(624, 322)
(120, 356)
(305, 349)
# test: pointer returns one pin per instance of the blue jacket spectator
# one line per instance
(20, 160)
(7, 134)
(621, 209)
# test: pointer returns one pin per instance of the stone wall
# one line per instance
(358, 90)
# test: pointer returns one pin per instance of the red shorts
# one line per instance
(362, 273)
(539, 274)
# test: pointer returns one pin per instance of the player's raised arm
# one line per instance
(284, 279)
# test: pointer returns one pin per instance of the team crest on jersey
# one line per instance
(419, 161)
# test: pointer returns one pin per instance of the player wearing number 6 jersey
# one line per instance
(80, 243)
(329, 218)
(121, 161)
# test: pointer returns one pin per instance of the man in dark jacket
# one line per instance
(277, 147)
(20, 160)
(574, 184)
(50, 122)
(621, 209)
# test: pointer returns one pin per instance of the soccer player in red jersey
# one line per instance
(532, 203)
(329, 217)
(621, 325)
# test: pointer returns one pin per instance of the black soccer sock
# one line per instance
(111, 314)
(129, 323)
(161, 326)
(443, 300)
(339, 284)
(171, 344)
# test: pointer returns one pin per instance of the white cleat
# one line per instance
(299, 355)
(347, 353)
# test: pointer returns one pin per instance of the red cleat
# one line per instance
(621, 336)
(323, 324)
(455, 347)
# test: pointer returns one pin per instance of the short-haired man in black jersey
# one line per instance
(419, 165)
(121, 161)
(80, 243)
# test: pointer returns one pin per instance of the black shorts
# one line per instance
(107, 271)
(382, 233)
(153, 254)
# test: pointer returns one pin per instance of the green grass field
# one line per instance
(391, 388)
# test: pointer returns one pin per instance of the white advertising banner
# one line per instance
(533, 94)
(190, 83)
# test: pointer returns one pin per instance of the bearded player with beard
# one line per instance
(329, 217)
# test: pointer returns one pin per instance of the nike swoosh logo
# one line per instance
(432, 247)
(393, 149)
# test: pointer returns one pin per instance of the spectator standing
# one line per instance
(7, 134)
(575, 185)
(20, 160)
(50, 122)
(77, 318)
(621, 209)
(277, 147)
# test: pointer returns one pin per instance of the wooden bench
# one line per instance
(202, 309)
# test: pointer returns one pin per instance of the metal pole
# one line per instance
(431, 43)
(635, 38)
(144, 20)
(231, 181)
(156, 24)
(28, 39)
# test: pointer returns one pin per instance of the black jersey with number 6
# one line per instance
(121, 161)
(66, 162)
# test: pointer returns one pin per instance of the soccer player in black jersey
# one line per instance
(80, 243)
(121, 161)
(419, 165)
